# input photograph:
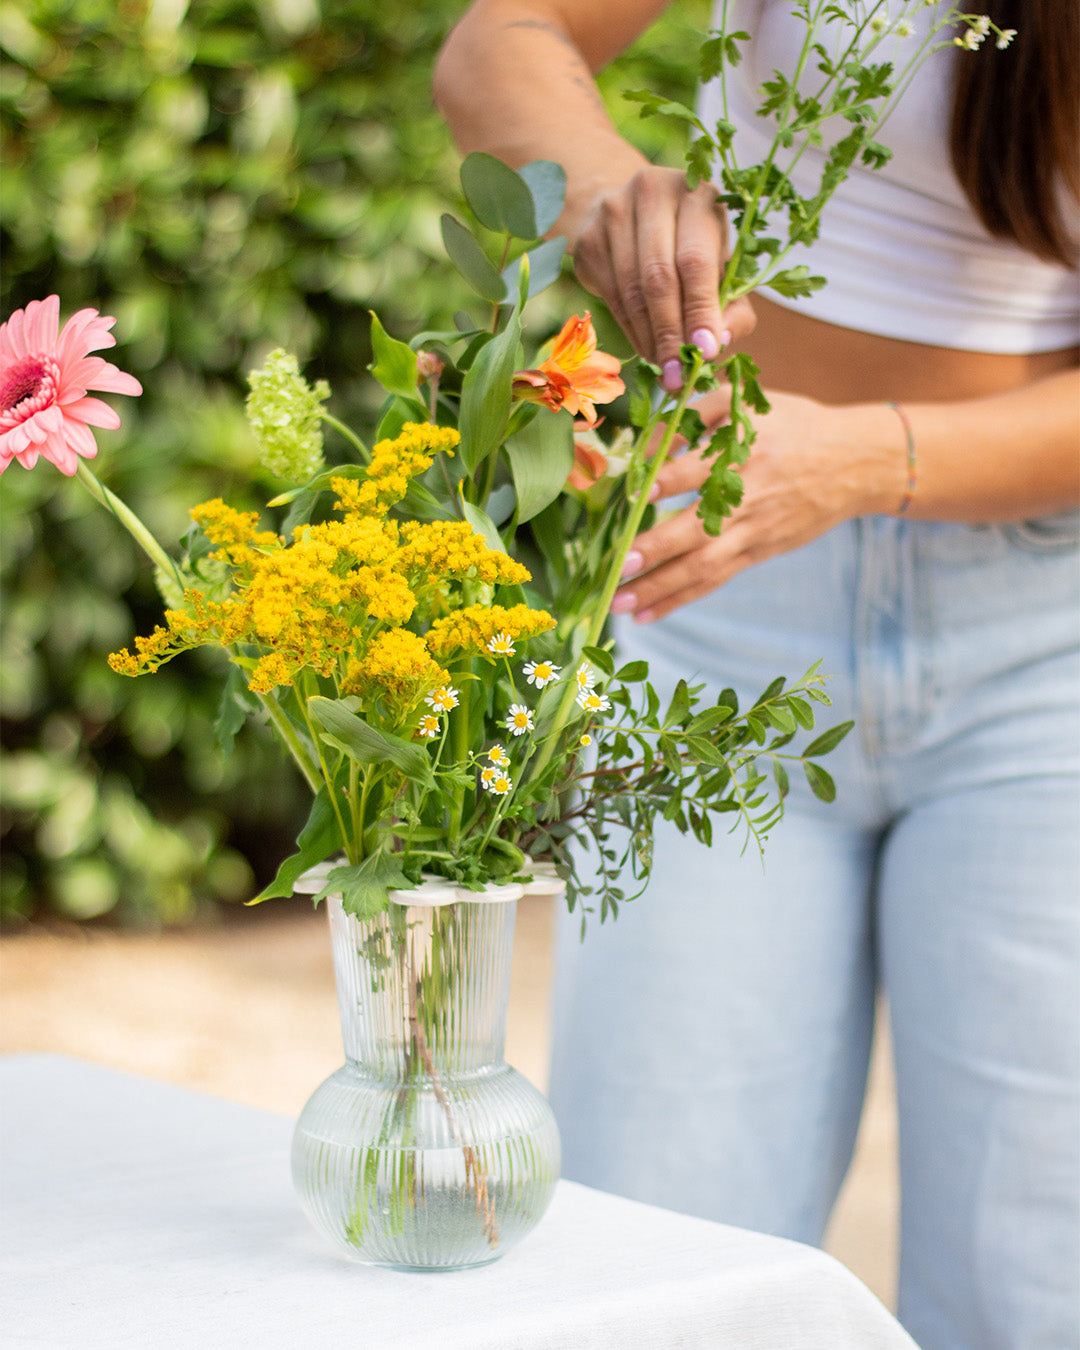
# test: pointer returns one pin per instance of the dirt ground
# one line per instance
(246, 1010)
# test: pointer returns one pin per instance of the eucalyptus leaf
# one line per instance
(545, 266)
(546, 181)
(470, 260)
(499, 197)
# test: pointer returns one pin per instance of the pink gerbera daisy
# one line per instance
(44, 377)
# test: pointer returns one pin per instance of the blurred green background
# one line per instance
(224, 178)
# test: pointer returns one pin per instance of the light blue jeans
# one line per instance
(711, 1045)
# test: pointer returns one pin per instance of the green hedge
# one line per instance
(223, 177)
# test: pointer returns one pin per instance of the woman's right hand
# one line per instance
(652, 250)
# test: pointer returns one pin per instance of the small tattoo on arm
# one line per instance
(581, 76)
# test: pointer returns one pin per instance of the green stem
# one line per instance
(287, 732)
(131, 523)
(348, 433)
(328, 779)
(622, 548)
(460, 717)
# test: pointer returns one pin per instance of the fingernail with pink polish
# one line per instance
(704, 339)
(646, 616)
(623, 604)
(633, 564)
(671, 376)
(725, 338)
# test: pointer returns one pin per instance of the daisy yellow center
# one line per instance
(521, 719)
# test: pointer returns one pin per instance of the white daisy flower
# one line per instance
(519, 719)
(500, 785)
(498, 755)
(488, 775)
(593, 702)
(540, 672)
(585, 740)
(442, 700)
(585, 676)
(429, 725)
(502, 644)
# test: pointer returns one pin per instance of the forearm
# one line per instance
(1000, 458)
(515, 79)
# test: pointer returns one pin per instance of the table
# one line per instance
(139, 1214)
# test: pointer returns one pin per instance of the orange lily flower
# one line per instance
(575, 376)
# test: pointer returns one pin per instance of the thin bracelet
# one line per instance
(909, 435)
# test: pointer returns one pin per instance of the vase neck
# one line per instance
(424, 989)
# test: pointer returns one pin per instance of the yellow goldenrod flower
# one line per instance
(469, 630)
(396, 665)
(445, 548)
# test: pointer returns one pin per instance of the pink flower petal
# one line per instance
(39, 325)
(57, 451)
(14, 441)
(84, 332)
(80, 438)
(28, 457)
(95, 412)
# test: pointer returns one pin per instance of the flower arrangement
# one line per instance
(426, 628)
(453, 718)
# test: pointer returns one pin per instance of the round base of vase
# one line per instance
(401, 1175)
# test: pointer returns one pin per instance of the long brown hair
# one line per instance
(1015, 136)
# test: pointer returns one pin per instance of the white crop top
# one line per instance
(902, 252)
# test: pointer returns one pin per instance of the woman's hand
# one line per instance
(811, 467)
(652, 251)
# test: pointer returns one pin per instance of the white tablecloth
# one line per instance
(139, 1214)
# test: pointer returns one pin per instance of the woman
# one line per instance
(910, 518)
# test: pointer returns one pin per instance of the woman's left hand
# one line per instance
(811, 467)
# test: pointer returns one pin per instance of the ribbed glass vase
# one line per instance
(426, 1150)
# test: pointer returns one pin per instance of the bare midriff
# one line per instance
(803, 355)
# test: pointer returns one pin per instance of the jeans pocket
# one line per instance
(1047, 534)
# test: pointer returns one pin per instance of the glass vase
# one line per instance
(425, 1151)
